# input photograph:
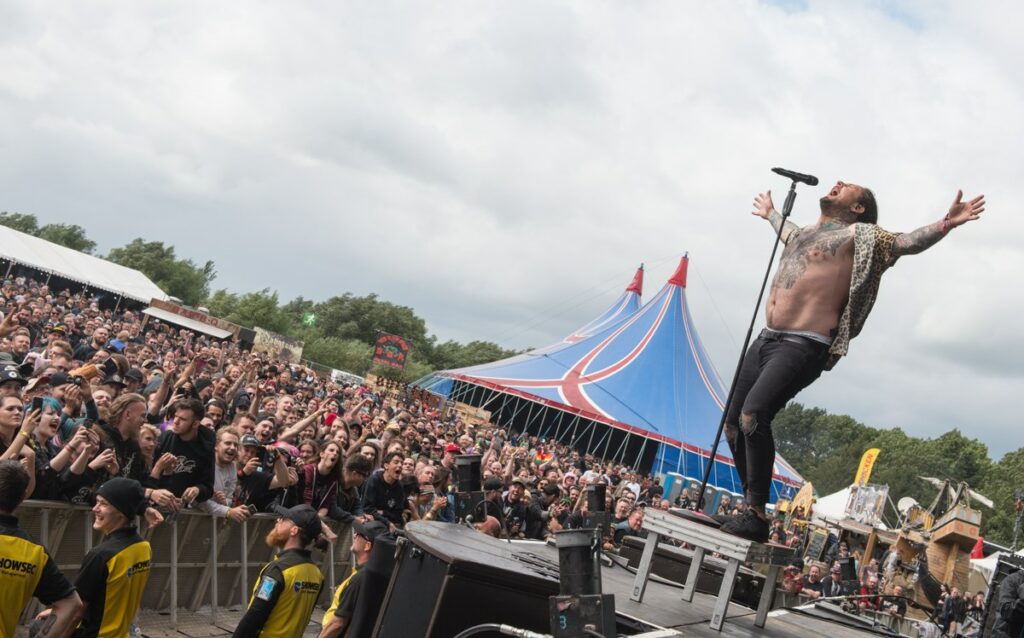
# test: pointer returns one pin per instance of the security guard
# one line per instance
(339, 616)
(115, 572)
(26, 570)
(288, 587)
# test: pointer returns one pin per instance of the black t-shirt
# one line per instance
(383, 499)
(254, 489)
(350, 597)
(816, 587)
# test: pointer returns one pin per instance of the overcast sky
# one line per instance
(502, 167)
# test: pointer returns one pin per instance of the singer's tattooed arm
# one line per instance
(960, 212)
(775, 219)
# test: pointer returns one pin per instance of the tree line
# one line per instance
(341, 336)
(825, 448)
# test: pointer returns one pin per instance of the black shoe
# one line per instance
(722, 519)
(747, 525)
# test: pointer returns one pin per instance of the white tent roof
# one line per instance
(77, 266)
(832, 507)
(185, 322)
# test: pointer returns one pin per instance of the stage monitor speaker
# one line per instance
(467, 472)
(448, 578)
(374, 583)
(1006, 565)
(596, 493)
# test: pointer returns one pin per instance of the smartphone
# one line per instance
(37, 403)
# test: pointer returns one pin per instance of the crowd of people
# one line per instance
(90, 393)
(92, 396)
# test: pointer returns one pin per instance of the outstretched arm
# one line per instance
(960, 212)
(765, 209)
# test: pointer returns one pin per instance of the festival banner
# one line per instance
(867, 462)
(391, 350)
(277, 346)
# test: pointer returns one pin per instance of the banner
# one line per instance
(866, 463)
(391, 350)
(278, 347)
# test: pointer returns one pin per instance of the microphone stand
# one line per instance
(787, 208)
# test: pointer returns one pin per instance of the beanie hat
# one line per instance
(125, 495)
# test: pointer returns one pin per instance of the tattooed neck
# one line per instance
(833, 224)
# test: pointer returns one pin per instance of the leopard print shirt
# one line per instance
(872, 256)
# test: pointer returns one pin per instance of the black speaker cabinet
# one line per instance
(448, 578)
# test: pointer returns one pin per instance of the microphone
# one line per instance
(810, 180)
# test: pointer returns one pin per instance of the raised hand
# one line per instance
(763, 205)
(961, 212)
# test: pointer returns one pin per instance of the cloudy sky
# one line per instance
(502, 167)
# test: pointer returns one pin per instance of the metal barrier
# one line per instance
(199, 561)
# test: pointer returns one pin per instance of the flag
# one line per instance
(866, 463)
(308, 319)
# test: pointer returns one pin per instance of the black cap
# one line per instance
(11, 373)
(250, 440)
(135, 375)
(304, 516)
(369, 530)
(59, 378)
(113, 379)
(493, 483)
(125, 495)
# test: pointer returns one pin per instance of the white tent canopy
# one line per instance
(76, 266)
(832, 507)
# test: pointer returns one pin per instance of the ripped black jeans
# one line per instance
(776, 367)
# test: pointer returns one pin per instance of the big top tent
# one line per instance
(639, 389)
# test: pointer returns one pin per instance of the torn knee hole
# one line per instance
(731, 431)
(748, 423)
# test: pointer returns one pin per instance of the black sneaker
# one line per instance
(747, 525)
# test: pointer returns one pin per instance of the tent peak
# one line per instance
(679, 278)
(637, 285)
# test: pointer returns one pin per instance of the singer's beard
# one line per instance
(276, 538)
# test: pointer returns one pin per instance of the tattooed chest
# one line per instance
(810, 249)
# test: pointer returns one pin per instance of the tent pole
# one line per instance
(530, 420)
(529, 416)
(575, 424)
(608, 444)
(590, 441)
(10, 267)
(601, 440)
(643, 447)
(618, 452)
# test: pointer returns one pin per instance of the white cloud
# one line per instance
(521, 153)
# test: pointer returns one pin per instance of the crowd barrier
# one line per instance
(200, 562)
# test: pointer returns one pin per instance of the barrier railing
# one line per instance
(199, 561)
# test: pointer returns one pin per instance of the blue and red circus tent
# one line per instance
(634, 385)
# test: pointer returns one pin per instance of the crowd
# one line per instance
(90, 393)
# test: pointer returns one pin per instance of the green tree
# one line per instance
(24, 222)
(344, 354)
(180, 278)
(452, 354)
(69, 235)
(351, 317)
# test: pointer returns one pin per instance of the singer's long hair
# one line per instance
(867, 200)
